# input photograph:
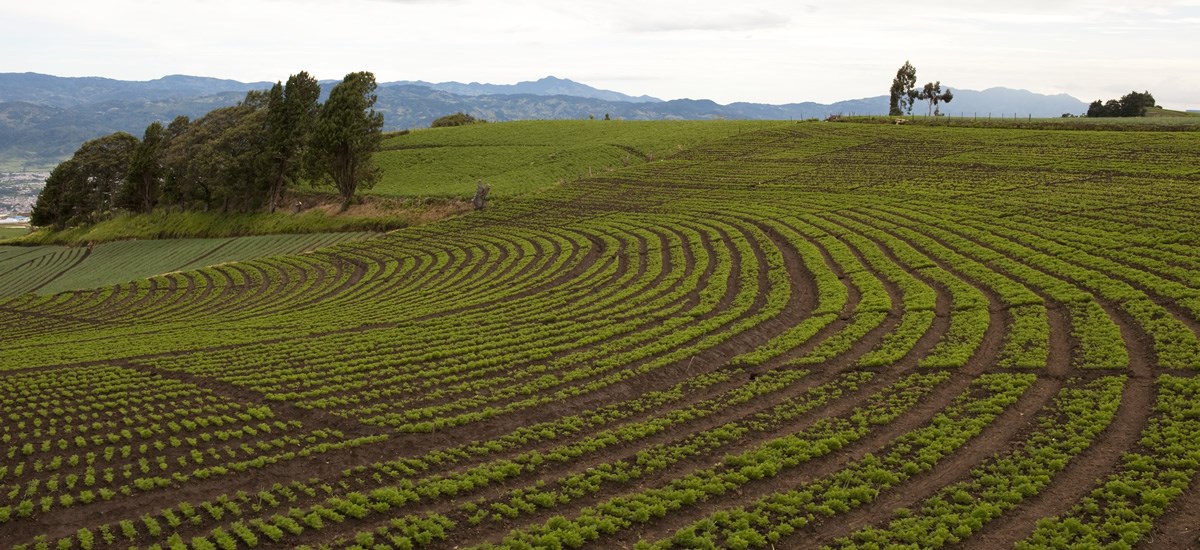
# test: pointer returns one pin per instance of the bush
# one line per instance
(457, 119)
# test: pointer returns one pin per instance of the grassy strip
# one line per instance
(12, 232)
(1136, 124)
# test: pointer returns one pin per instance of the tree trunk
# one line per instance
(481, 193)
(273, 199)
(277, 180)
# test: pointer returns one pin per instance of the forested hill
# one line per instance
(66, 92)
(44, 118)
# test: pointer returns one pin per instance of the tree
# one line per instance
(932, 92)
(143, 183)
(1132, 104)
(347, 133)
(242, 155)
(481, 193)
(84, 188)
(220, 159)
(291, 115)
(52, 207)
(1135, 104)
(180, 186)
(903, 92)
(104, 165)
(457, 119)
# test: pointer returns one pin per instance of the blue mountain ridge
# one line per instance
(44, 118)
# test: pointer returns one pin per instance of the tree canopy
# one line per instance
(291, 116)
(903, 91)
(84, 188)
(217, 162)
(1132, 104)
(457, 119)
(347, 132)
(235, 159)
(933, 93)
(143, 182)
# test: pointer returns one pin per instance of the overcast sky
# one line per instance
(752, 50)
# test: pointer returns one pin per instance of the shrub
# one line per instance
(456, 119)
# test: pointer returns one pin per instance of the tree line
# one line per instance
(236, 159)
(1130, 105)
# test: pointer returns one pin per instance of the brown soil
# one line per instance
(1098, 460)
(803, 299)
(1179, 528)
(497, 268)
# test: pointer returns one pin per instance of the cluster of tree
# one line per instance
(1130, 104)
(904, 93)
(238, 159)
(457, 119)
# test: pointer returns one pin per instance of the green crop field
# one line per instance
(519, 157)
(792, 335)
(10, 232)
(52, 269)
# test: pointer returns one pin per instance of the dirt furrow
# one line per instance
(1103, 456)
(1098, 460)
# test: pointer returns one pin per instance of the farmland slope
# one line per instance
(802, 335)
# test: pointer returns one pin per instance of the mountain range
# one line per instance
(44, 118)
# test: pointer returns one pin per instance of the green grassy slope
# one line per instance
(519, 157)
(1161, 112)
(1156, 120)
(12, 232)
(428, 170)
(178, 225)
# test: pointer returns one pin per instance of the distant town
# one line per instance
(18, 192)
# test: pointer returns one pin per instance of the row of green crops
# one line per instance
(53, 269)
(862, 335)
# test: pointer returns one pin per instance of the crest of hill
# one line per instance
(44, 118)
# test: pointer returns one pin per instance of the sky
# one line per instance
(751, 50)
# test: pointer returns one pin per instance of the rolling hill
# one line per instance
(43, 119)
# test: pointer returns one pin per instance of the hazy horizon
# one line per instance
(761, 52)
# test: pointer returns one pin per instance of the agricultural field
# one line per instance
(796, 335)
(54, 269)
(8, 232)
(516, 158)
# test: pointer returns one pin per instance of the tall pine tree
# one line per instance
(291, 115)
(347, 132)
